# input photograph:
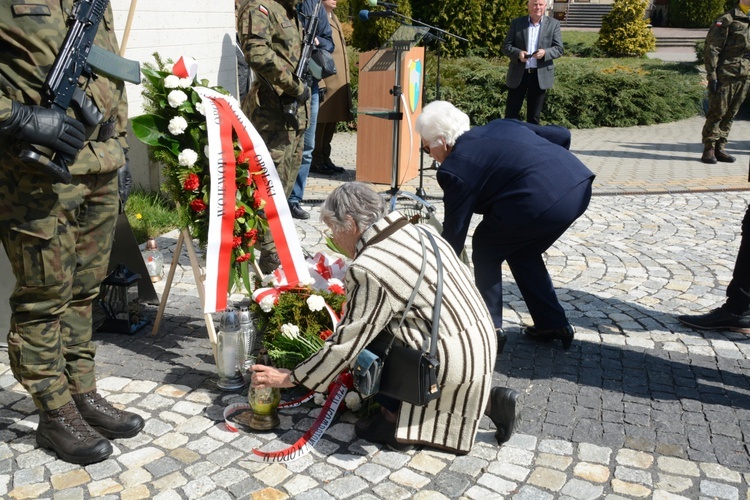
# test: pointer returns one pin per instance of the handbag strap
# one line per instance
(438, 292)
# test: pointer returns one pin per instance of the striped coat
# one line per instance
(378, 283)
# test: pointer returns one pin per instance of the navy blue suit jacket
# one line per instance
(508, 171)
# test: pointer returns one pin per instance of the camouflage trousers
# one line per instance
(58, 239)
(723, 106)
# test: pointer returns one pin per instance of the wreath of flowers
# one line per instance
(174, 129)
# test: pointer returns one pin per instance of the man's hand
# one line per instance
(45, 127)
(713, 86)
(268, 376)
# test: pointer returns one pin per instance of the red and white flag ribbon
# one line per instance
(185, 67)
(224, 122)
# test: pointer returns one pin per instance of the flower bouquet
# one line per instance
(174, 129)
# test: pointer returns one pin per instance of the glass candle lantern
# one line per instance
(120, 302)
(227, 352)
(154, 260)
(264, 401)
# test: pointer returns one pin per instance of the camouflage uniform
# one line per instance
(727, 60)
(57, 236)
(271, 39)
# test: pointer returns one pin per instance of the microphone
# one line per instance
(366, 15)
(387, 5)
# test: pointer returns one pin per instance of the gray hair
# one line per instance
(442, 119)
(356, 200)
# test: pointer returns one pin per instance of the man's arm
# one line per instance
(715, 40)
(556, 49)
(509, 47)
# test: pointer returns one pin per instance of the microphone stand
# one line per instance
(421, 193)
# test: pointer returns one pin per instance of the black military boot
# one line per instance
(107, 419)
(70, 437)
(722, 155)
(709, 156)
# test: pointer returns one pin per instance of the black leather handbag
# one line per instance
(401, 372)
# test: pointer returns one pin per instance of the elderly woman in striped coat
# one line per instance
(387, 257)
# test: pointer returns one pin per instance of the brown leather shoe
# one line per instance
(71, 437)
(722, 155)
(709, 156)
(107, 419)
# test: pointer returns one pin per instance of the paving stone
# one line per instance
(556, 447)
(591, 453)
(594, 473)
(346, 487)
(497, 484)
(719, 490)
(634, 458)
(346, 461)
(553, 461)
(630, 489)
(716, 471)
(390, 490)
(104, 487)
(547, 478)
(198, 488)
(468, 465)
(582, 490)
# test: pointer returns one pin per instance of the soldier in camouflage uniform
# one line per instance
(58, 236)
(271, 38)
(727, 59)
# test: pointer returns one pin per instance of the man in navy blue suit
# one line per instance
(528, 188)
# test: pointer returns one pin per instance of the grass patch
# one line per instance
(150, 215)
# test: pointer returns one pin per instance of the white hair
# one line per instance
(441, 119)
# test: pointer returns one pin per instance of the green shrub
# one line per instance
(622, 93)
(587, 92)
(695, 13)
(150, 214)
(581, 44)
(625, 31)
(700, 49)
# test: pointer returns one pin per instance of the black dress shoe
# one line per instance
(503, 412)
(333, 167)
(298, 212)
(718, 319)
(321, 169)
(377, 429)
(564, 334)
(502, 338)
(268, 262)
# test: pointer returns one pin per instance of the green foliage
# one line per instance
(150, 214)
(625, 31)
(581, 44)
(587, 92)
(696, 13)
(700, 49)
(622, 93)
(374, 33)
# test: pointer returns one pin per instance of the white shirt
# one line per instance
(534, 30)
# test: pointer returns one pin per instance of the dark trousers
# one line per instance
(738, 291)
(522, 247)
(528, 89)
(323, 137)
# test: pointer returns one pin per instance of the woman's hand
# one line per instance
(268, 376)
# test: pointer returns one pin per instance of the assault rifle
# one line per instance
(304, 66)
(78, 56)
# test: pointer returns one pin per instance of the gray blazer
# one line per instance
(550, 39)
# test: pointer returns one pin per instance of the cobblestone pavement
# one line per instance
(639, 407)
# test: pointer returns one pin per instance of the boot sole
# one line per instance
(45, 443)
(736, 329)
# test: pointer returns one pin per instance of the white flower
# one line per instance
(307, 281)
(319, 398)
(200, 108)
(269, 279)
(176, 97)
(206, 153)
(186, 83)
(177, 125)
(290, 331)
(316, 302)
(187, 158)
(171, 82)
(266, 304)
(353, 401)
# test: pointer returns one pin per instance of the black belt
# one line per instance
(102, 131)
(531, 70)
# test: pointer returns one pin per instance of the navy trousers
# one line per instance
(738, 291)
(522, 247)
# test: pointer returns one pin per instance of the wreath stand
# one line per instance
(186, 239)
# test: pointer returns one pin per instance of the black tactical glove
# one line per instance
(45, 127)
(124, 182)
(713, 86)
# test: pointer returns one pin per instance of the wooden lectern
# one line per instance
(382, 152)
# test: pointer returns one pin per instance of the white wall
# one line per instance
(201, 29)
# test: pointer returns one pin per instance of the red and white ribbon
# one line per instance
(224, 121)
(336, 394)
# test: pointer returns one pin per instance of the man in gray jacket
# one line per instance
(532, 43)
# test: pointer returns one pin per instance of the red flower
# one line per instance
(242, 258)
(251, 237)
(236, 242)
(197, 206)
(256, 199)
(337, 289)
(239, 212)
(244, 157)
(192, 182)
